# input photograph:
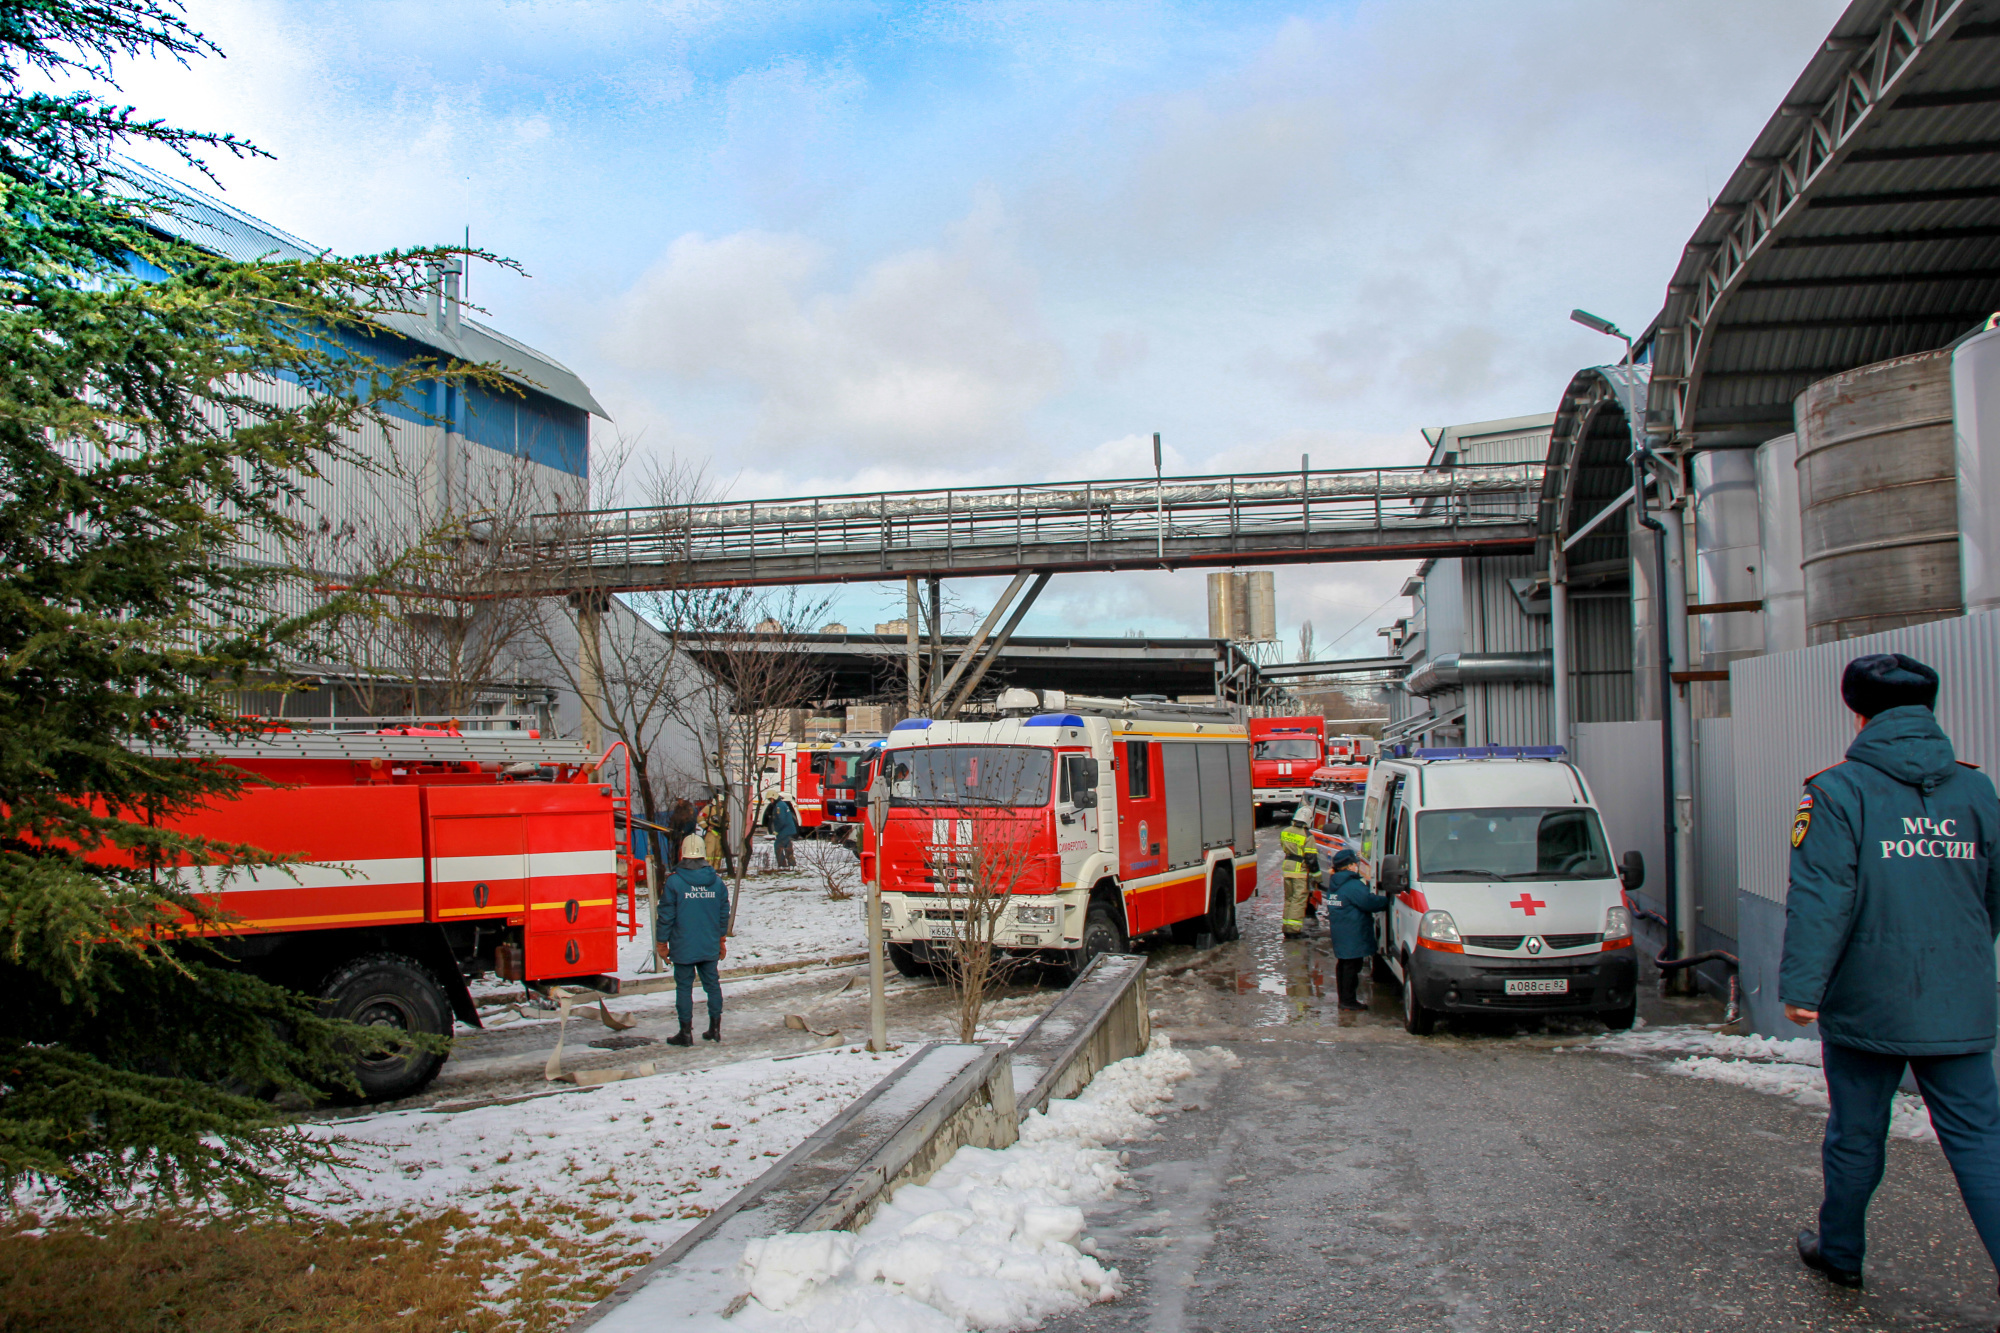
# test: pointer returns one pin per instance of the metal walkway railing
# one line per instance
(1259, 518)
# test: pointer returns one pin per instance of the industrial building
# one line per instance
(463, 454)
(1793, 464)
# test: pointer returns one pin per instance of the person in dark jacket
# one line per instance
(1350, 909)
(694, 916)
(679, 825)
(783, 821)
(1889, 931)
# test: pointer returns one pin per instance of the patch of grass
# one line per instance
(439, 1273)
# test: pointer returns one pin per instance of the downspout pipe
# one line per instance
(1670, 845)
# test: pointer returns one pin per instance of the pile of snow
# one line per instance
(993, 1242)
(655, 1154)
(1782, 1066)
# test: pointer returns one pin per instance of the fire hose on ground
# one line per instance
(1660, 960)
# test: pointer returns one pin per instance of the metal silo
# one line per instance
(1260, 607)
(1727, 558)
(1783, 578)
(1975, 394)
(1878, 499)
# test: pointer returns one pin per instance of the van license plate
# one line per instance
(1539, 986)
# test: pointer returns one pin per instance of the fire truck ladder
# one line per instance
(1141, 523)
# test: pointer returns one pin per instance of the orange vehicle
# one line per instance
(427, 857)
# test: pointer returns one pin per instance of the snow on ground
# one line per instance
(994, 1241)
(785, 916)
(1782, 1066)
(655, 1154)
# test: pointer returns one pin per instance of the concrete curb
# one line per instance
(902, 1130)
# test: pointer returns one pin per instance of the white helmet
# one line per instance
(694, 847)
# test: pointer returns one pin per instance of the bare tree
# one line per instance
(978, 872)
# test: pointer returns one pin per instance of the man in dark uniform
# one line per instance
(1350, 915)
(693, 920)
(1889, 931)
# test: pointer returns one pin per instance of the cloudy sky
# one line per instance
(840, 246)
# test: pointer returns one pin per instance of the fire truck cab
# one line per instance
(1131, 817)
(1284, 752)
(845, 769)
(790, 770)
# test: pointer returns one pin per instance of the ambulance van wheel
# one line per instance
(389, 991)
(1621, 1018)
(1222, 905)
(908, 963)
(1417, 1020)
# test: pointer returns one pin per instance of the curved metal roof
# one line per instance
(1863, 224)
(1590, 453)
(204, 221)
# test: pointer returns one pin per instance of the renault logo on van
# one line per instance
(1534, 944)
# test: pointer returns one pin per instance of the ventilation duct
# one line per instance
(1453, 670)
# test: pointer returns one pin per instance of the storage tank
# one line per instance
(1260, 606)
(1975, 398)
(1783, 580)
(1727, 559)
(1878, 498)
(1225, 598)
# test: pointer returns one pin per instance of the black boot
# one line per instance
(714, 1032)
(685, 1037)
(1809, 1256)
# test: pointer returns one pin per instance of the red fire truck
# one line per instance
(1284, 752)
(845, 770)
(1126, 818)
(790, 770)
(427, 858)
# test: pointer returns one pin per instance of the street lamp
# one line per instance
(1599, 324)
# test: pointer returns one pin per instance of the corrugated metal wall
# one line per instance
(1715, 831)
(1790, 724)
(1508, 713)
(1621, 761)
(1600, 657)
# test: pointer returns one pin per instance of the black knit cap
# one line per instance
(1346, 856)
(1881, 681)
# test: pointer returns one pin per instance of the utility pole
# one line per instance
(1159, 505)
(913, 667)
(878, 822)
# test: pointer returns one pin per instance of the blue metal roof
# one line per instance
(202, 220)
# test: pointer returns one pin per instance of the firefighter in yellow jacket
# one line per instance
(1301, 870)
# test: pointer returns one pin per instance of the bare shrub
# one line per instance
(977, 873)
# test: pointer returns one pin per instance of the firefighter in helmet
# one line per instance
(1301, 869)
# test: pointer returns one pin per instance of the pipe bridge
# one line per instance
(1266, 518)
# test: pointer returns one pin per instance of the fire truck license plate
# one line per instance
(1539, 986)
(941, 930)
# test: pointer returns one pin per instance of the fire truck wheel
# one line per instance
(1222, 905)
(908, 962)
(1101, 934)
(389, 990)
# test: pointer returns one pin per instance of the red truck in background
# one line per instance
(791, 770)
(1284, 752)
(845, 769)
(427, 857)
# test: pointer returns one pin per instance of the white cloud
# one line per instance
(939, 348)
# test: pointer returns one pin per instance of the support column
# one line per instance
(912, 664)
(1559, 645)
(935, 671)
(590, 608)
(1679, 703)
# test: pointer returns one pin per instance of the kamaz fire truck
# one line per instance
(1123, 818)
(845, 769)
(427, 857)
(1284, 752)
(790, 771)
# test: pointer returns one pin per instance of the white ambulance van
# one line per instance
(1506, 900)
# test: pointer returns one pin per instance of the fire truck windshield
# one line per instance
(970, 775)
(1511, 843)
(842, 770)
(1291, 747)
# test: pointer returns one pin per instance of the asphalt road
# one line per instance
(1348, 1176)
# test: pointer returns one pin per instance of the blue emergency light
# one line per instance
(1482, 752)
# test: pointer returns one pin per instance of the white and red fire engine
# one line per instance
(845, 769)
(1126, 817)
(790, 771)
(426, 857)
(1284, 752)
